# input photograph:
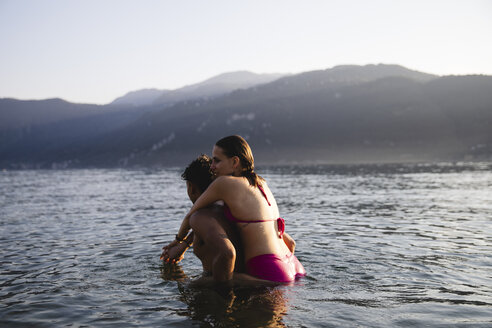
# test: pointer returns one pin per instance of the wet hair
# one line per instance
(198, 172)
(237, 146)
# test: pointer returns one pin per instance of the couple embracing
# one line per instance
(266, 250)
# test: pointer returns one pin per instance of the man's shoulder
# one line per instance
(208, 217)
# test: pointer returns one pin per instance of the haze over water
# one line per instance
(384, 246)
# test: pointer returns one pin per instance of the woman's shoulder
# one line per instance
(229, 180)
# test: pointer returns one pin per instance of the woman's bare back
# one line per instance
(248, 203)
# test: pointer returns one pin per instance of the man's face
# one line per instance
(192, 191)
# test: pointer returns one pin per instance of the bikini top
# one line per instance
(232, 218)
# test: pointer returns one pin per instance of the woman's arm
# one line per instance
(213, 193)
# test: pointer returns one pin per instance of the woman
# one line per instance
(250, 204)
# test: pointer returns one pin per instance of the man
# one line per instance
(215, 241)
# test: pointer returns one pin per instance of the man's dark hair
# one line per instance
(199, 173)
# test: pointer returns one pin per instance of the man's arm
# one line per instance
(217, 190)
(223, 265)
(222, 251)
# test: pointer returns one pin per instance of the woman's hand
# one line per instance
(290, 242)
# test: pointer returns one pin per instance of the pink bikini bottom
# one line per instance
(275, 268)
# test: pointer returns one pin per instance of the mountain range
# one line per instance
(213, 87)
(346, 114)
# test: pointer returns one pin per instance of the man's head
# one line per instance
(198, 176)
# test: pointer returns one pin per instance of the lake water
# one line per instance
(384, 246)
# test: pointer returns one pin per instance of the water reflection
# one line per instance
(222, 306)
(170, 272)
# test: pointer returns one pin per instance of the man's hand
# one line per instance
(174, 252)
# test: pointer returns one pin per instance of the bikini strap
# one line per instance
(232, 218)
(264, 195)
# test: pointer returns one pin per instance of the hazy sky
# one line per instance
(93, 51)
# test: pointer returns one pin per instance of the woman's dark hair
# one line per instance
(199, 173)
(237, 146)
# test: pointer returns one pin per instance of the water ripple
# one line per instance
(384, 246)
